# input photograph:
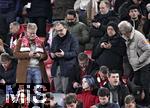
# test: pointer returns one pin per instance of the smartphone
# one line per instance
(105, 43)
(58, 50)
(34, 53)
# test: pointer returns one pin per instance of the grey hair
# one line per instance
(62, 22)
(125, 27)
(15, 23)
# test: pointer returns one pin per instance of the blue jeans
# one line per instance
(34, 75)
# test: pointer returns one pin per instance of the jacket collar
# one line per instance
(132, 34)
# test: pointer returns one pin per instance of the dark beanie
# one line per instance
(90, 80)
(133, 7)
(114, 25)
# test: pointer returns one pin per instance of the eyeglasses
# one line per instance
(61, 30)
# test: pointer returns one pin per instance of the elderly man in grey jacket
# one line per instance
(138, 51)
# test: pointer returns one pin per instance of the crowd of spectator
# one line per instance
(116, 74)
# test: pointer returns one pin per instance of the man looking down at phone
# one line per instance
(64, 51)
(111, 49)
(31, 54)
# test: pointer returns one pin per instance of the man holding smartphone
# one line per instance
(64, 51)
(31, 54)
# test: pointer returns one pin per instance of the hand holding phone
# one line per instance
(58, 50)
(59, 53)
(34, 52)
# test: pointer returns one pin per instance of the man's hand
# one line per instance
(31, 54)
(1, 49)
(37, 55)
(2, 81)
(142, 95)
(52, 103)
(94, 106)
(108, 46)
(76, 85)
(60, 54)
(52, 55)
(105, 45)
(96, 24)
(34, 54)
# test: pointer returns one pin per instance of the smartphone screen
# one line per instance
(58, 50)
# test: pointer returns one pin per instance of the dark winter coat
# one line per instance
(113, 57)
(9, 75)
(76, 74)
(108, 105)
(40, 8)
(121, 89)
(70, 46)
(145, 30)
(104, 19)
(97, 33)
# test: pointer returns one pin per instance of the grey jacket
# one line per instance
(138, 50)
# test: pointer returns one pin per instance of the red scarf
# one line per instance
(26, 41)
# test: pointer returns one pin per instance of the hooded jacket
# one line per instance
(112, 57)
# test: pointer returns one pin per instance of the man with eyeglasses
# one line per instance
(64, 51)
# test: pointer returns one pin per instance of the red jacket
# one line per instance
(87, 99)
